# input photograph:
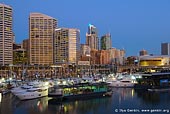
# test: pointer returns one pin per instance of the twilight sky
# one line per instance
(134, 24)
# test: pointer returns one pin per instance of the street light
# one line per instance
(63, 68)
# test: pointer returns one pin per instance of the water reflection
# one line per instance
(153, 98)
(12, 105)
(82, 106)
(123, 98)
(128, 98)
(0, 97)
(39, 105)
(123, 95)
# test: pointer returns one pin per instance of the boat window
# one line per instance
(31, 90)
(126, 81)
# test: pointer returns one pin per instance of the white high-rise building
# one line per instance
(66, 46)
(6, 35)
(41, 35)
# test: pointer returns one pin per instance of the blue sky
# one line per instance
(134, 24)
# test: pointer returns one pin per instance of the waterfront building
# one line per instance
(165, 49)
(66, 46)
(84, 54)
(121, 58)
(6, 35)
(41, 34)
(143, 52)
(20, 56)
(105, 42)
(92, 39)
(117, 56)
(84, 50)
(25, 44)
(104, 57)
(100, 57)
(131, 60)
(109, 56)
(94, 57)
(154, 60)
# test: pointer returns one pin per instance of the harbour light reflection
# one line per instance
(0, 97)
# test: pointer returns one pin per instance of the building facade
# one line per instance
(41, 35)
(20, 57)
(99, 57)
(165, 49)
(117, 56)
(6, 35)
(92, 39)
(84, 49)
(25, 44)
(143, 52)
(154, 60)
(66, 46)
(104, 57)
(105, 42)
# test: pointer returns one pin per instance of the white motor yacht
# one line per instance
(126, 82)
(21, 89)
(25, 87)
(33, 93)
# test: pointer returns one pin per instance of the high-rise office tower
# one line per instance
(92, 39)
(41, 34)
(105, 42)
(165, 49)
(6, 35)
(66, 46)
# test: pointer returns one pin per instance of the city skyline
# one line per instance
(133, 25)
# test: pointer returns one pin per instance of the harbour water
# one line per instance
(123, 100)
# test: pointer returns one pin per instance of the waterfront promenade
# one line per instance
(63, 71)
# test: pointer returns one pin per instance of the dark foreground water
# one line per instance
(124, 100)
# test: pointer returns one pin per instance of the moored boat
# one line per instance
(33, 84)
(82, 91)
(123, 83)
(33, 93)
(159, 89)
(157, 81)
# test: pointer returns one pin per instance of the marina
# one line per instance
(72, 95)
(84, 57)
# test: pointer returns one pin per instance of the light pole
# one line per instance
(63, 68)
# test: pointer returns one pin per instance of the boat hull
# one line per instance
(85, 96)
(159, 90)
(122, 85)
(32, 95)
(59, 99)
